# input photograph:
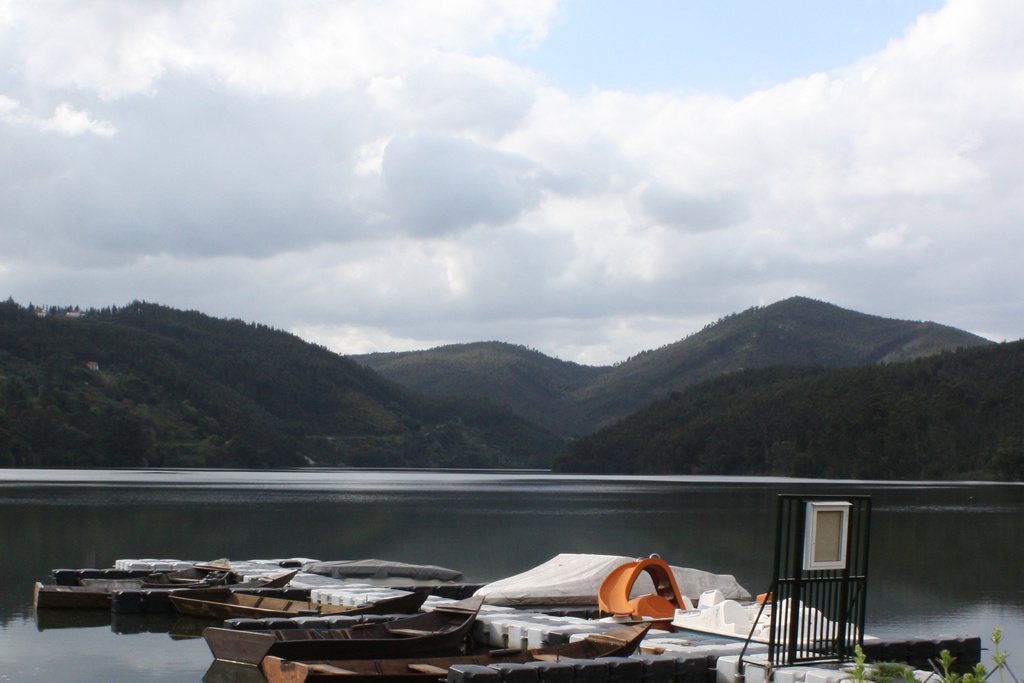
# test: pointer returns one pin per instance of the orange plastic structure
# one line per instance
(613, 596)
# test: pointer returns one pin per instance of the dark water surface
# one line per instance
(945, 558)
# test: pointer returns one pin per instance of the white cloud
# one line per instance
(65, 119)
(434, 184)
(370, 173)
(68, 120)
(897, 238)
(117, 48)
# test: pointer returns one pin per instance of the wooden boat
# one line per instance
(225, 603)
(69, 597)
(198, 576)
(96, 593)
(444, 628)
(619, 643)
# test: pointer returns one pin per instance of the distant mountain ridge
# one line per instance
(953, 415)
(147, 385)
(528, 381)
(572, 399)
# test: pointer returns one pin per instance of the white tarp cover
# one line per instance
(574, 579)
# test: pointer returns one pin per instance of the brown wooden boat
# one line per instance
(445, 628)
(96, 593)
(198, 576)
(46, 596)
(225, 603)
(618, 643)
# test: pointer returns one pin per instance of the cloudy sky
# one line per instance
(590, 178)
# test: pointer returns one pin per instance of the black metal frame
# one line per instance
(817, 615)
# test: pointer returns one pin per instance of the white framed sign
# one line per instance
(825, 535)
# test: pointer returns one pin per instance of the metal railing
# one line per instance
(817, 615)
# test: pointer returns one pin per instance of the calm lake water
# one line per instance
(945, 558)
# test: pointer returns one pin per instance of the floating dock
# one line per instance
(663, 657)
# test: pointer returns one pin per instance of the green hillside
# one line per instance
(532, 384)
(572, 400)
(953, 415)
(176, 388)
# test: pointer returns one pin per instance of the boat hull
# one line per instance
(619, 643)
(223, 603)
(443, 629)
(69, 597)
(97, 593)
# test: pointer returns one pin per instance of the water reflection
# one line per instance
(944, 557)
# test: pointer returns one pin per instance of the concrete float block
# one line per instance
(503, 631)
(342, 621)
(624, 669)
(294, 594)
(553, 672)
(917, 650)
(727, 669)
(966, 650)
(489, 629)
(473, 673)
(518, 634)
(560, 635)
(318, 623)
(516, 673)
(507, 631)
(792, 674)
(691, 669)
(756, 671)
(126, 602)
(481, 633)
(657, 668)
(331, 597)
(242, 624)
(156, 601)
(537, 636)
(65, 577)
(884, 650)
(589, 670)
(712, 655)
(279, 624)
(970, 649)
(821, 675)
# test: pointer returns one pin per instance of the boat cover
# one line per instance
(574, 579)
(381, 570)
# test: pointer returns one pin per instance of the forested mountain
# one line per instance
(572, 400)
(532, 384)
(956, 414)
(758, 392)
(147, 385)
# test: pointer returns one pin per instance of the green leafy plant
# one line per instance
(978, 675)
(859, 672)
(946, 661)
(1000, 655)
(891, 672)
(894, 672)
